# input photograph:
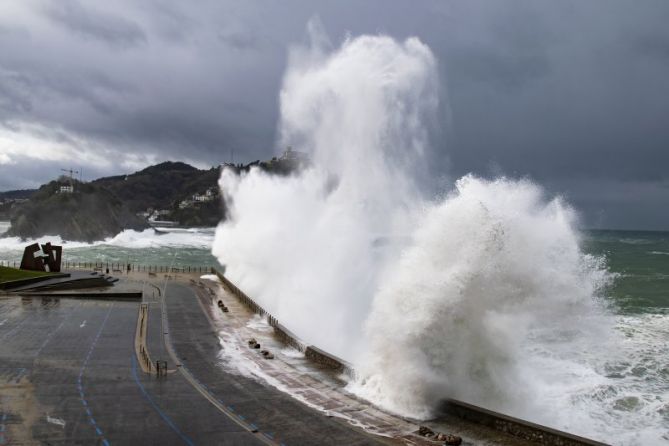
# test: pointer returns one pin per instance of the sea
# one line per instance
(164, 247)
(622, 398)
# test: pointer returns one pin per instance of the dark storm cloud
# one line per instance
(89, 23)
(572, 94)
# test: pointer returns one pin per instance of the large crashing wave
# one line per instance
(489, 267)
(310, 247)
(430, 298)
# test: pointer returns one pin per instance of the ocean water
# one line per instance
(176, 247)
(616, 388)
(641, 261)
(487, 292)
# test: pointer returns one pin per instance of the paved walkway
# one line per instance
(69, 376)
(275, 414)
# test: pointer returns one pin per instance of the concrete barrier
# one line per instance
(311, 352)
(286, 335)
(246, 300)
(516, 427)
(526, 430)
(323, 358)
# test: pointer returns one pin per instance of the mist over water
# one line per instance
(483, 294)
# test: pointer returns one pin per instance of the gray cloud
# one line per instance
(90, 23)
(572, 94)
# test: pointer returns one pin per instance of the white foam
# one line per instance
(614, 389)
(304, 246)
(484, 294)
(197, 238)
(489, 265)
(635, 241)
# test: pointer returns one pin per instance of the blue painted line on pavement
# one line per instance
(162, 414)
(184, 367)
(84, 402)
(3, 439)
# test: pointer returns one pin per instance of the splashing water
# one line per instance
(483, 295)
(490, 266)
(307, 246)
(146, 247)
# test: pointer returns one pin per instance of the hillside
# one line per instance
(11, 199)
(89, 213)
(17, 194)
(161, 186)
(104, 207)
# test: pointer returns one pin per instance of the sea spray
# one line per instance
(487, 266)
(310, 247)
(484, 295)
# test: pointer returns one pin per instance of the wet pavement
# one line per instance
(69, 375)
(275, 414)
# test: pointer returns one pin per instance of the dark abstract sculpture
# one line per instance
(34, 262)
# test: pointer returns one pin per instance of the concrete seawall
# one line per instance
(310, 351)
(526, 430)
(516, 427)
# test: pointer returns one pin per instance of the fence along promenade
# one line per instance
(122, 267)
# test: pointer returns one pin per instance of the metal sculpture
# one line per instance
(45, 258)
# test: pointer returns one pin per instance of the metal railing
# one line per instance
(122, 267)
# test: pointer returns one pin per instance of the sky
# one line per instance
(571, 94)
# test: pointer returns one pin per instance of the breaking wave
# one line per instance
(483, 294)
(198, 238)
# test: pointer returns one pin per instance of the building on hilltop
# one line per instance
(207, 196)
(66, 189)
(293, 155)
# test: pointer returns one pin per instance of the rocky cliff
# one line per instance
(87, 214)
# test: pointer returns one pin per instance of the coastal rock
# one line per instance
(84, 213)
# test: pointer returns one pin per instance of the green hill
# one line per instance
(161, 186)
(106, 206)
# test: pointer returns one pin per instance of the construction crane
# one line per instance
(71, 172)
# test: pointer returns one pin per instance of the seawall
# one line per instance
(516, 427)
(312, 352)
